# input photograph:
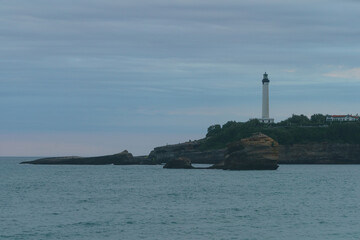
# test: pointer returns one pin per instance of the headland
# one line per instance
(298, 139)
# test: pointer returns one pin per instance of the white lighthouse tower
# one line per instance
(265, 118)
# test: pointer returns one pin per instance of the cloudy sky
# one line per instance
(92, 77)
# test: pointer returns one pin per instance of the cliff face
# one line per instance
(310, 153)
(188, 150)
(320, 153)
(258, 152)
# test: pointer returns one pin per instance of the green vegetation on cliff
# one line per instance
(296, 129)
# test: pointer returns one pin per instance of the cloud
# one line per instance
(87, 144)
(289, 70)
(234, 111)
(353, 73)
(147, 66)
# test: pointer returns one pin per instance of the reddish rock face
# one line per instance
(258, 152)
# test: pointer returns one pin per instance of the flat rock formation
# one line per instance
(258, 152)
(182, 163)
(320, 153)
(123, 158)
(189, 150)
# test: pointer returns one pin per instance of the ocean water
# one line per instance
(148, 202)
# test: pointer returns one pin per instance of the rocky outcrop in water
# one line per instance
(123, 158)
(258, 152)
(182, 163)
(189, 150)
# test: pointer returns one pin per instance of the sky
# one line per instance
(94, 77)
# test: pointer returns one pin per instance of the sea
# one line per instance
(149, 202)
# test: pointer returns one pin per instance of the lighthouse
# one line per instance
(265, 118)
(265, 96)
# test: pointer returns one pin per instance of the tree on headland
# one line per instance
(229, 124)
(318, 119)
(296, 120)
(213, 130)
(296, 129)
(253, 123)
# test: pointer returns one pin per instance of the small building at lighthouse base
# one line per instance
(266, 120)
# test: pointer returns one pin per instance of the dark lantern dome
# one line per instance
(265, 78)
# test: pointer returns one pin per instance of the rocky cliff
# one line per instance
(320, 153)
(310, 153)
(258, 152)
(190, 150)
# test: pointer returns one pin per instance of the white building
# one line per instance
(342, 118)
(265, 100)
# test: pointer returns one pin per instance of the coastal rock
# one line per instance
(189, 150)
(183, 163)
(123, 158)
(144, 160)
(258, 152)
(320, 153)
(307, 153)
